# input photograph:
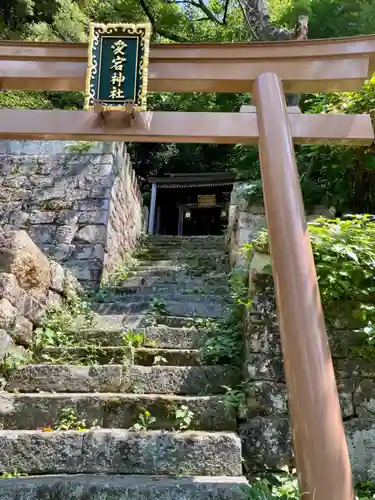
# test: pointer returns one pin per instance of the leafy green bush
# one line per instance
(344, 253)
(283, 486)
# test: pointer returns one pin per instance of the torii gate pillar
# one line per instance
(318, 433)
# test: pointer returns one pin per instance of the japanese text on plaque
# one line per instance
(118, 63)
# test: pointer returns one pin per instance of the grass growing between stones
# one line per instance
(69, 421)
(58, 329)
(223, 340)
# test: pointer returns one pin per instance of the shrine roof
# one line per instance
(193, 179)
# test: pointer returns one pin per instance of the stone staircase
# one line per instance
(130, 411)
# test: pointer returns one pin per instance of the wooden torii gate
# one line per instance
(267, 70)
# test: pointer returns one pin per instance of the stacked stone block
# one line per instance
(83, 209)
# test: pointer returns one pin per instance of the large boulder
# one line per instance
(21, 257)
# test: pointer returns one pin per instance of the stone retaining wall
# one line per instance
(265, 431)
(84, 209)
(245, 220)
(266, 434)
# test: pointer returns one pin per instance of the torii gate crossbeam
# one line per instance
(308, 66)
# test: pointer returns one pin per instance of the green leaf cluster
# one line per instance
(344, 254)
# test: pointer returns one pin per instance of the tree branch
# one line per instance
(258, 19)
(162, 32)
(203, 7)
(226, 9)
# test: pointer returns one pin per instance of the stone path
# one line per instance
(146, 419)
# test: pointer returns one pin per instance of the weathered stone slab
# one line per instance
(360, 434)
(175, 308)
(172, 357)
(20, 256)
(264, 367)
(5, 344)
(69, 378)
(263, 338)
(116, 355)
(265, 397)
(57, 279)
(114, 410)
(164, 336)
(120, 452)
(92, 234)
(182, 379)
(10, 289)
(22, 331)
(267, 442)
(7, 314)
(108, 330)
(121, 488)
(364, 398)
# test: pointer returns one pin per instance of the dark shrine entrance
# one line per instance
(190, 204)
(203, 221)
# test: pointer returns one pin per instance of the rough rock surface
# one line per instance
(121, 452)
(124, 488)
(29, 284)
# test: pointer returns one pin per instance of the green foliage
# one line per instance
(69, 421)
(133, 339)
(283, 486)
(223, 339)
(12, 475)
(14, 360)
(274, 487)
(59, 323)
(235, 400)
(183, 418)
(158, 308)
(145, 420)
(339, 176)
(344, 253)
(79, 147)
(159, 360)
(365, 490)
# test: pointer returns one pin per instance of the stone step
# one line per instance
(186, 241)
(174, 274)
(118, 355)
(184, 380)
(95, 487)
(177, 285)
(176, 253)
(174, 308)
(148, 273)
(113, 410)
(135, 285)
(183, 321)
(118, 451)
(174, 337)
(191, 261)
(148, 295)
(109, 331)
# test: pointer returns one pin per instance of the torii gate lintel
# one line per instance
(303, 66)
